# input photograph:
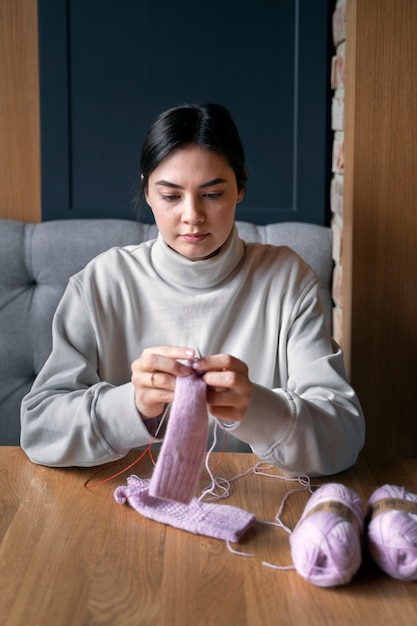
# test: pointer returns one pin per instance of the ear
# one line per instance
(241, 194)
(145, 191)
(242, 190)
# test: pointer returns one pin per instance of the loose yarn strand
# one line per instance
(89, 485)
(259, 469)
(304, 481)
(237, 552)
(278, 567)
(215, 482)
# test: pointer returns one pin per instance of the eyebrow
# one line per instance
(166, 183)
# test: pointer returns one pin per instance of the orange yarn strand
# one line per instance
(148, 450)
(87, 484)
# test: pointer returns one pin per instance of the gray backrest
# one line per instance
(36, 261)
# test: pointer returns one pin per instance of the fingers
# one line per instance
(229, 387)
(160, 357)
(154, 374)
(157, 366)
(222, 370)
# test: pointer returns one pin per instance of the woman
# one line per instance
(130, 323)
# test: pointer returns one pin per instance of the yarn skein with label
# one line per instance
(326, 542)
(392, 531)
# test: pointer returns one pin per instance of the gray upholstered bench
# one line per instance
(36, 261)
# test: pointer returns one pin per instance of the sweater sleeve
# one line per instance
(71, 417)
(313, 423)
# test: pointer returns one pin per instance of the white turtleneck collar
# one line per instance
(205, 274)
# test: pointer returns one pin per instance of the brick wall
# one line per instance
(336, 186)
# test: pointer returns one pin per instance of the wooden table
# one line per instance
(71, 555)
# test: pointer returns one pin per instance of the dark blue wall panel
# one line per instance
(108, 67)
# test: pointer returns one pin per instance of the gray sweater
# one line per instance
(257, 302)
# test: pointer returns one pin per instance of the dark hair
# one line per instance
(208, 125)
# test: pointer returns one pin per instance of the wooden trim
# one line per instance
(380, 240)
(348, 149)
(20, 183)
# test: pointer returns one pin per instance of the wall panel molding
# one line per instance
(108, 68)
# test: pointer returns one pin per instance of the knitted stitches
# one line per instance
(178, 467)
(220, 521)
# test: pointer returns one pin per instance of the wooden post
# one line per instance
(380, 220)
(20, 174)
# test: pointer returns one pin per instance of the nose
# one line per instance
(193, 212)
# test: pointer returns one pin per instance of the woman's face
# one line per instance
(193, 195)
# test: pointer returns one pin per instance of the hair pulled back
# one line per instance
(207, 125)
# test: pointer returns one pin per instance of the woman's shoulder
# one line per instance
(271, 253)
(281, 263)
(120, 253)
(116, 260)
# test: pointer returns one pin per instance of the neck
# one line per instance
(201, 273)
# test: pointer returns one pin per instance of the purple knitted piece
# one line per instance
(220, 521)
(178, 467)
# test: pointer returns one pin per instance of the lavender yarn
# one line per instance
(392, 531)
(221, 521)
(326, 543)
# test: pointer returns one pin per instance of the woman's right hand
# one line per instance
(154, 374)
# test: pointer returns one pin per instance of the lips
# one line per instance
(194, 237)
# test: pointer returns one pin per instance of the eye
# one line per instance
(169, 197)
(213, 196)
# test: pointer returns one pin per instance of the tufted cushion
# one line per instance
(36, 261)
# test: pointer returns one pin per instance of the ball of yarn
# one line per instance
(392, 531)
(326, 543)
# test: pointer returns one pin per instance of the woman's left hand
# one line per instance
(229, 388)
